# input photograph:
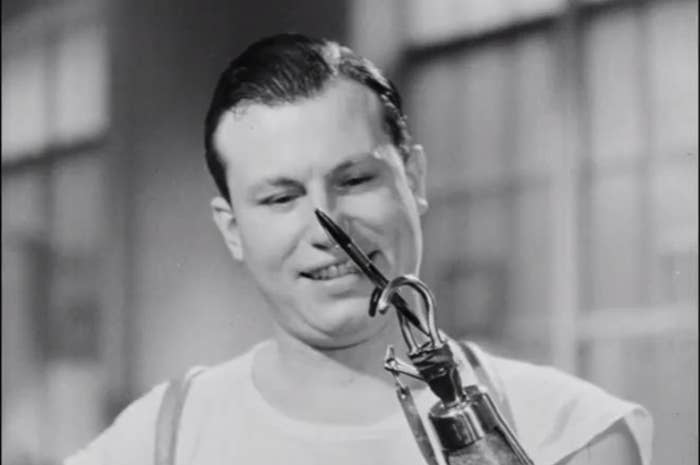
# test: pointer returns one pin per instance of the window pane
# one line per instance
(675, 207)
(486, 98)
(531, 257)
(445, 19)
(613, 73)
(77, 203)
(616, 258)
(23, 283)
(675, 189)
(25, 103)
(81, 83)
(22, 227)
(23, 206)
(673, 68)
(537, 106)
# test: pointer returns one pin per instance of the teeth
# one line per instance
(334, 271)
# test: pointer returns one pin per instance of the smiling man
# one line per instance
(298, 124)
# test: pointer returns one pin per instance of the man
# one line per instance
(298, 124)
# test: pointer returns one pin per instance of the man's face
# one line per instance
(332, 153)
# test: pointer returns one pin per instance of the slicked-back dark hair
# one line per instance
(287, 68)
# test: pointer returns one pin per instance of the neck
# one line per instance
(327, 384)
(337, 366)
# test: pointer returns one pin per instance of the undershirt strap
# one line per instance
(169, 418)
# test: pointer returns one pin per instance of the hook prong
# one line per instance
(397, 366)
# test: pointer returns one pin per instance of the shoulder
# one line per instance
(558, 414)
(221, 378)
(129, 439)
(212, 386)
(615, 445)
(131, 436)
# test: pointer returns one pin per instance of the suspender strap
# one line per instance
(488, 379)
(169, 419)
(410, 411)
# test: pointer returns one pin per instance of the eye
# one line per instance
(278, 199)
(353, 181)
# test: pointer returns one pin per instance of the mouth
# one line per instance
(336, 270)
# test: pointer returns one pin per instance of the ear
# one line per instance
(226, 222)
(416, 167)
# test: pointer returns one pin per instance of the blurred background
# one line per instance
(563, 149)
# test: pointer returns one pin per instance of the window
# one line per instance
(55, 118)
(562, 179)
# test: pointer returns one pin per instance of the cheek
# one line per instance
(380, 206)
(391, 218)
(402, 225)
(266, 242)
(396, 212)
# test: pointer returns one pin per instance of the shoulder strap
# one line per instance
(169, 418)
(487, 378)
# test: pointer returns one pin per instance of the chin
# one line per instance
(346, 323)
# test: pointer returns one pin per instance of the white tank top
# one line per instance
(226, 420)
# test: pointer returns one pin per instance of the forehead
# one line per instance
(345, 119)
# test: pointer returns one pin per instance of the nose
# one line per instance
(318, 237)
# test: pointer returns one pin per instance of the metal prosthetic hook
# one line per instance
(384, 298)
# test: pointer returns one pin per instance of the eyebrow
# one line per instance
(279, 181)
(286, 182)
(355, 160)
